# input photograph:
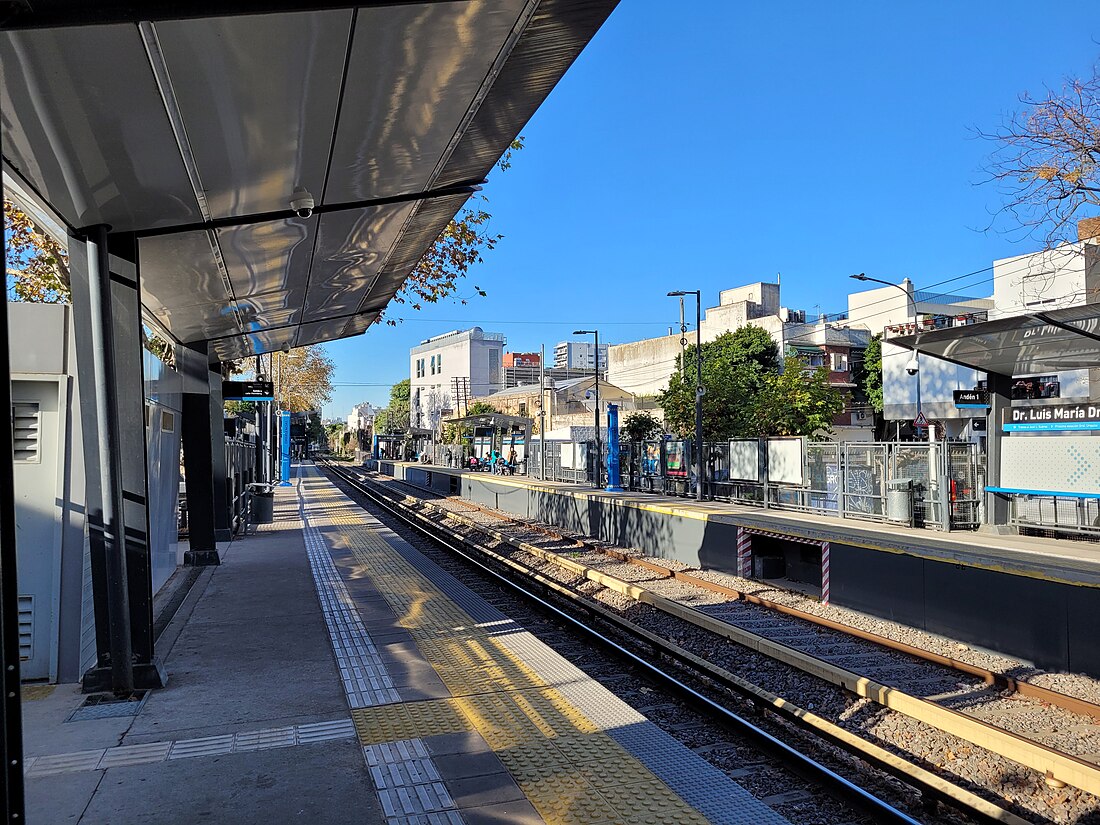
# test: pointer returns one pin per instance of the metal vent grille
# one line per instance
(25, 424)
(26, 627)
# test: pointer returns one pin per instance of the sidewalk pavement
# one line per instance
(253, 726)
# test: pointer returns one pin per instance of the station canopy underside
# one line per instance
(192, 126)
(1043, 342)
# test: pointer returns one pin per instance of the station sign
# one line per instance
(248, 391)
(969, 399)
(1052, 418)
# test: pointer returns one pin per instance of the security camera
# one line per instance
(286, 347)
(913, 367)
(302, 203)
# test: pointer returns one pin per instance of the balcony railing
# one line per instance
(927, 323)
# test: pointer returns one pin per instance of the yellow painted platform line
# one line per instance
(570, 770)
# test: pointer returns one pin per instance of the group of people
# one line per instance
(495, 462)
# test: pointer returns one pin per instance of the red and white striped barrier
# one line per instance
(744, 553)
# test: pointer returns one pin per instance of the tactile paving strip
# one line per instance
(520, 697)
(242, 742)
(410, 788)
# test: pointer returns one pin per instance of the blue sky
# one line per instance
(709, 144)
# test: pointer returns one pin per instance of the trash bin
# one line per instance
(263, 503)
(899, 501)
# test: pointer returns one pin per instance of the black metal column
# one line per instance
(107, 320)
(219, 478)
(997, 505)
(199, 441)
(11, 716)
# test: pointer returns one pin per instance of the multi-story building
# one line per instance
(579, 355)
(522, 359)
(447, 371)
(362, 416)
(569, 402)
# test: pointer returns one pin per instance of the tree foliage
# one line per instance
(640, 425)
(796, 401)
(872, 373)
(460, 246)
(1047, 162)
(302, 378)
(747, 395)
(734, 368)
(394, 418)
(38, 268)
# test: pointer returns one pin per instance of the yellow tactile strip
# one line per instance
(569, 769)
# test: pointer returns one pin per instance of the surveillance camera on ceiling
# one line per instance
(913, 367)
(302, 203)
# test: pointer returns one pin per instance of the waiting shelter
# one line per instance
(1036, 448)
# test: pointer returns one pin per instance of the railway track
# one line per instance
(512, 551)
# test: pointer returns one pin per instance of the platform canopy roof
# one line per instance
(1042, 342)
(192, 124)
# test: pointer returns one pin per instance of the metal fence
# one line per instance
(240, 471)
(1057, 515)
(845, 479)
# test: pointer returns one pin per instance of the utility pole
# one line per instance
(542, 413)
(596, 333)
(698, 380)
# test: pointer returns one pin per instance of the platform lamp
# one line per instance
(913, 367)
(596, 333)
(699, 391)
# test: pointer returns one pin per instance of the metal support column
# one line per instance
(997, 505)
(199, 444)
(107, 322)
(11, 716)
(219, 478)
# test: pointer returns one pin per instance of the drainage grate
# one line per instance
(109, 706)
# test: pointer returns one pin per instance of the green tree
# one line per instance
(735, 366)
(640, 425)
(796, 401)
(395, 417)
(459, 246)
(867, 376)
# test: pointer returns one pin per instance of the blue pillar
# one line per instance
(374, 450)
(613, 449)
(284, 449)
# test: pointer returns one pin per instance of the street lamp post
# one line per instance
(596, 334)
(916, 353)
(698, 385)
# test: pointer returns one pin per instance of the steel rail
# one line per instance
(1058, 766)
(927, 783)
(1000, 680)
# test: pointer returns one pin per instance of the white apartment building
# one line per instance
(362, 416)
(449, 370)
(579, 355)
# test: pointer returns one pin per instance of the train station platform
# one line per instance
(1032, 598)
(328, 667)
